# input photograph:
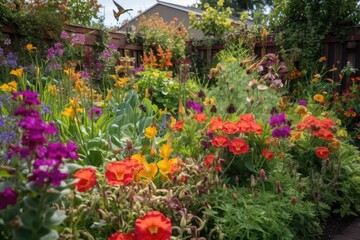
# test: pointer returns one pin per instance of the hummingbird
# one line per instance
(120, 10)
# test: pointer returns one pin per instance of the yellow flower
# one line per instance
(316, 78)
(342, 133)
(79, 86)
(139, 157)
(10, 87)
(53, 90)
(164, 166)
(150, 132)
(18, 72)
(113, 77)
(319, 98)
(335, 144)
(153, 151)
(156, 74)
(74, 102)
(209, 101)
(30, 47)
(108, 96)
(149, 171)
(119, 84)
(136, 88)
(69, 112)
(147, 93)
(123, 80)
(165, 150)
(172, 121)
(162, 112)
(302, 110)
(295, 135)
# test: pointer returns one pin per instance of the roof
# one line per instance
(175, 6)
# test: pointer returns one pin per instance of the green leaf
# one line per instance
(27, 218)
(95, 157)
(48, 234)
(4, 173)
(54, 218)
(21, 234)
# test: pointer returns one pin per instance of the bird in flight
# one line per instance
(120, 10)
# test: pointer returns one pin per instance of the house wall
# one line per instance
(168, 14)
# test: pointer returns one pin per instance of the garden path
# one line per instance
(351, 232)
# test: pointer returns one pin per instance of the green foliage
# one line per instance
(304, 24)
(214, 22)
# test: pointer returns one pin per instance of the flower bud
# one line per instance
(278, 187)
(293, 200)
(262, 175)
(252, 181)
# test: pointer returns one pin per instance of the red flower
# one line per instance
(122, 236)
(179, 125)
(247, 117)
(323, 133)
(322, 152)
(153, 226)
(238, 146)
(326, 123)
(209, 159)
(229, 127)
(200, 117)
(87, 179)
(119, 173)
(220, 141)
(243, 126)
(256, 128)
(267, 154)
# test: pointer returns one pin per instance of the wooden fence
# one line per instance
(338, 52)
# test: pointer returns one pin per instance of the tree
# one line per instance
(303, 24)
(238, 6)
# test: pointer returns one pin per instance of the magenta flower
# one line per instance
(302, 102)
(196, 106)
(277, 120)
(64, 35)
(8, 197)
(281, 132)
(95, 111)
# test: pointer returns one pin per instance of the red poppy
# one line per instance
(322, 152)
(200, 117)
(119, 173)
(220, 141)
(178, 126)
(209, 159)
(229, 127)
(215, 124)
(238, 146)
(153, 225)
(87, 179)
(122, 236)
(267, 154)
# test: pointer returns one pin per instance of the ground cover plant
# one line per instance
(117, 151)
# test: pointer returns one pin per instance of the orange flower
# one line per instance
(238, 146)
(209, 159)
(149, 171)
(153, 225)
(229, 127)
(322, 59)
(215, 124)
(119, 173)
(165, 150)
(243, 126)
(319, 98)
(326, 123)
(322, 152)
(324, 134)
(87, 179)
(256, 128)
(220, 141)
(200, 117)
(150, 132)
(122, 236)
(267, 154)
(178, 126)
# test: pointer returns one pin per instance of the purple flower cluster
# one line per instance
(8, 197)
(47, 158)
(302, 102)
(56, 49)
(78, 39)
(278, 121)
(138, 69)
(64, 35)
(196, 106)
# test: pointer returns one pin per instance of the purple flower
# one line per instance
(78, 39)
(106, 54)
(85, 74)
(95, 111)
(113, 46)
(277, 120)
(8, 197)
(194, 105)
(138, 69)
(64, 35)
(29, 97)
(302, 102)
(281, 132)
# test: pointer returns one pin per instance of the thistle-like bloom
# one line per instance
(95, 111)
(8, 197)
(153, 225)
